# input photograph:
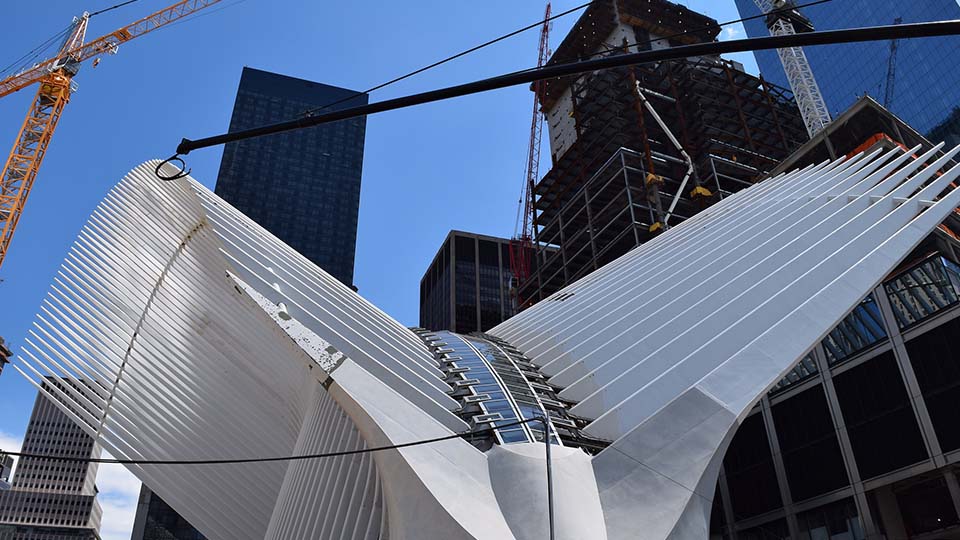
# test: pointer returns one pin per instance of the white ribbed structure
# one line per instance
(206, 337)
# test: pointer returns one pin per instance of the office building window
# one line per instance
(808, 442)
(935, 356)
(927, 506)
(751, 476)
(835, 521)
(875, 405)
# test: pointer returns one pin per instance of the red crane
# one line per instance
(521, 246)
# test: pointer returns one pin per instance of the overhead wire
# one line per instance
(450, 58)
(36, 51)
(829, 37)
(39, 49)
(120, 5)
(269, 459)
(188, 145)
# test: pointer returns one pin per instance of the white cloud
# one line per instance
(118, 514)
(119, 491)
(10, 443)
(732, 32)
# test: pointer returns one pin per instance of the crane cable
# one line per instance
(36, 51)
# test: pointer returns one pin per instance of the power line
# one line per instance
(121, 4)
(450, 58)
(927, 29)
(269, 459)
(26, 58)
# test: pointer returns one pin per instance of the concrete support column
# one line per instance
(779, 467)
(909, 378)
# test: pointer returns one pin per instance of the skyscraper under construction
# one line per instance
(637, 149)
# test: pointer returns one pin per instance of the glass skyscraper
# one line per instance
(157, 521)
(926, 83)
(467, 286)
(303, 186)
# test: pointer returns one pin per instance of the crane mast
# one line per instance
(54, 79)
(810, 101)
(891, 70)
(53, 93)
(521, 246)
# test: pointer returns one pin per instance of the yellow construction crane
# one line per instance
(54, 78)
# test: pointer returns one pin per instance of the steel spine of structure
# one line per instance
(197, 334)
(679, 361)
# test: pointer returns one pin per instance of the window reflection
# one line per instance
(862, 328)
(923, 290)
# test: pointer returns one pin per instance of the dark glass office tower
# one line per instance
(303, 186)
(926, 83)
(156, 520)
(467, 286)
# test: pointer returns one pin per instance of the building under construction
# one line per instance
(638, 149)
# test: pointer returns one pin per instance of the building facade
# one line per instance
(920, 91)
(467, 287)
(51, 499)
(155, 520)
(303, 186)
(617, 178)
(860, 440)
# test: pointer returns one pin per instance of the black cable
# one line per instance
(829, 37)
(450, 58)
(37, 49)
(121, 4)
(183, 172)
(269, 459)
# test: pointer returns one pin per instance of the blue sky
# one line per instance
(428, 169)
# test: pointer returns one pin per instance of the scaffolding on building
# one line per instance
(611, 189)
